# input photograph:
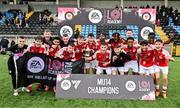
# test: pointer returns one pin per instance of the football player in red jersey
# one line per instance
(52, 50)
(116, 40)
(36, 47)
(66, 53)
(79, 47)
(55, 47)
(132, 51)
(146, 59)
(102, 40)
(103, 57)
(89, 50)
(161, 59)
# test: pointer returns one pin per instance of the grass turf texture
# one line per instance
(47, 100)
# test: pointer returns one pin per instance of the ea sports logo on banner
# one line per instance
(66, 30)
(145, 31)
(146, 16)
(95, 16)
(130, 86)
(35, 65)
(65, 84)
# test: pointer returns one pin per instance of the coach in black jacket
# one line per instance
(15, 49)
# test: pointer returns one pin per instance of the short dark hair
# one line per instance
(115, 34)
(159, 40)
(38, 38)
(71, 44)
(91, 35)
(81, 37)
(130, 38)
(56, 38)
(144, 42)
(65, 35)
(151, 34)
(22, 37)
(47, 30)
(128, 30)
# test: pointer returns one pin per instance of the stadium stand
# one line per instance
(34, 22)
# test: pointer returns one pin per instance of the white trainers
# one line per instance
(25, 89)
(15, 93)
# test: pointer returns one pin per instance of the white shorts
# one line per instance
(90, 64)
(100, 70)
(164, 69)
(120, 69)
(146, 70)
(131, 65)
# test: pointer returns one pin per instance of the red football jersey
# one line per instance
(161, 58)
(79, 51)
(102, 58)
(132, 51)
(35, 49)
(92, 47)
(53, 51)
(146, 58)
(113, 43)
(66, 54)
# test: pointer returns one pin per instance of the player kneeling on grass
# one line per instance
(132, 51)
(146, 59)
(118, 59)
(161, 59)
(103, 59)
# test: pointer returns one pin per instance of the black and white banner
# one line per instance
(40, 68)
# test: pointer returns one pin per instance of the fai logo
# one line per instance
(35, 65)
(145, 31)
(66, 30)
(69, 15)
(146, 16)
(130, 86)
(95, 16)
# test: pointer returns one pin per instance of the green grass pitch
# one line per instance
(48, 100)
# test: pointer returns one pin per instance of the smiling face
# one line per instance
(129, 33)
(56, 42)
(158, 45)
(144, 47)
(21, 42)
(80, 41)
(130, 43)
(103, 48)
(47, 34)
(65, 39)
(38, 43)
(90, 39)
(117, 50)
(70, 48)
